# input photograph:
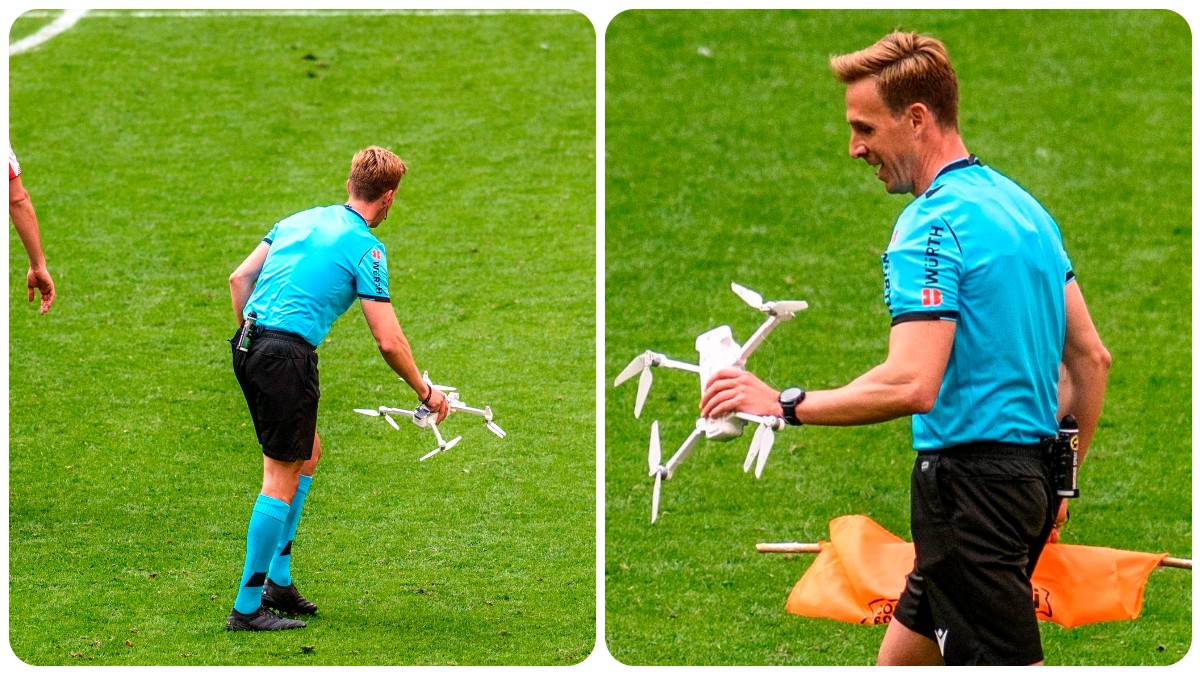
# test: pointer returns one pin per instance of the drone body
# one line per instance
(423, 418)
(717, 351)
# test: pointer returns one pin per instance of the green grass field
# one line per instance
(726, 156)
(158, 151)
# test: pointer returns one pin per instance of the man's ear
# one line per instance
(347, 186)
(920, 117)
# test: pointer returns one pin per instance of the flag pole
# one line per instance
(801, 547)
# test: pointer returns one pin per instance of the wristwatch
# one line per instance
(788, 400)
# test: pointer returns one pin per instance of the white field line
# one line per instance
(191, 13)
(59, 25)
(68, 17)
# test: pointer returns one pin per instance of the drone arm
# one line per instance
(682, 453)
(395, 411)
(756, 339)
(459, 407)
(764, 420)
(664, 362)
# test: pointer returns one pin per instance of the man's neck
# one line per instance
(949, 149)
(366, 210)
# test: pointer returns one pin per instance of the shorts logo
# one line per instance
(375, 254)
(1041, 603)
(940, 634)
(931, 297)
(881, 610)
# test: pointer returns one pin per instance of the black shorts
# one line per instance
(278, 375)
(980, 518)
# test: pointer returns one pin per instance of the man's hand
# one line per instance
(438, 403)
(1059, 520)
(39, 279)
(735, 390)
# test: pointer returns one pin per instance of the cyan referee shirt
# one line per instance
(320, 261)
(977, 249)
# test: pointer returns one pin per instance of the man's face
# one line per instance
(880, 139)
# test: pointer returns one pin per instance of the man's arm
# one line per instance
(907, 382)
(241, 282)
(1083, 375)
(1083, 379)
(24, 218)
(381, 319)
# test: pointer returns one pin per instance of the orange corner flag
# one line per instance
(859, 573)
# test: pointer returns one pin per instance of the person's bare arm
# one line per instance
(1083, 376)
(241, 282)
(907, 382)
(394, 347)
(1083, 379)
(24, 218)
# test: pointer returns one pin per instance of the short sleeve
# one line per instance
(14, 167)
(271, 235)
(1066, 263)
(371, 276)
(922, 269)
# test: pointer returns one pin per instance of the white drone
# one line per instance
(423, 417)
(717, 351)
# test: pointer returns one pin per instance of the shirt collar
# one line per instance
(357, 214)
(969, 160)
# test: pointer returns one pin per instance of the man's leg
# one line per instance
(280, 572)
(279, 592)
(262, 536)
(905, 647)
(266, 527)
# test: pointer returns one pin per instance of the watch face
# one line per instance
(789, 396)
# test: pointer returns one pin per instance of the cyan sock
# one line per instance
(281, 565)
(262, 536)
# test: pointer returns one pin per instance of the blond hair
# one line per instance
(374, 171)
(908, 68)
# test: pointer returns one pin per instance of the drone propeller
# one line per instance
(439, 387)
(378, 413)
(638, 364)
(655, 458)
(751, 454)
(641, 363)
(764, 437)
(748, 296)
(644, 381)
(656, 470)
(494, 428)
(774, 308)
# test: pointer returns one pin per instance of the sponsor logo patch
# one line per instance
(376, 254)
(931, 297)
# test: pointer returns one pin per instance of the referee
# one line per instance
(306, 272)
(990, 343)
